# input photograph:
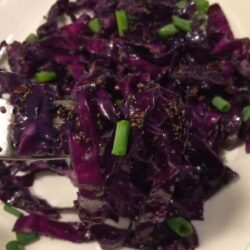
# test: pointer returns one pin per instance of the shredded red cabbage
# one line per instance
(163, 87)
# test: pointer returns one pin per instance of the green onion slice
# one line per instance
(95, 25)
(181, 24)
(31, 38)
(14, 245)
(202, 5)
(11, 210)
(245, 113)
(122, 22)
(26, 238)
(180, 226)
(221, 104)
(200, 15)
(121, 138)
(167, 31)
(182, 4)
(45, 76)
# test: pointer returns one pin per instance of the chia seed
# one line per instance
(3, 110)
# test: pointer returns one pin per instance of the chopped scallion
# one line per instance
(122, 22)
(167, 31)
(202, 6)
(182, 4)
(246, 113)
(45, 76)
(26, 238)
(31, 38)
(121, 138)
(11, 210)
(95, 25)
(221, 104)
(200, 15)
(181, 24)
(180, 226)
(14, 245)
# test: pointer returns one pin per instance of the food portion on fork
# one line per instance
(47, 117)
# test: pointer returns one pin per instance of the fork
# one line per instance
(7, 152)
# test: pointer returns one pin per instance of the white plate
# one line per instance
(227, 215)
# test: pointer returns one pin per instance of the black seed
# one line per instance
(3, 110)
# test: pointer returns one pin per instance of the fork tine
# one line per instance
(6, 110)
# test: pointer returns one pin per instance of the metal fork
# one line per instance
(7, 152)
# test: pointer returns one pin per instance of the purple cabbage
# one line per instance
(75, 232)
(163, 87)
